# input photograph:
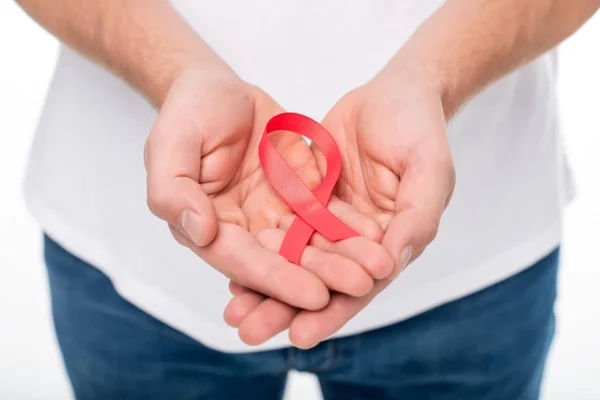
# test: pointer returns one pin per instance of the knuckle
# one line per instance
(373, 231)
(233, 274)
(361, 286)
(447, 163)
(241, 271)
(431, 229)
(380, 264)
(157, 201)
(270, 238)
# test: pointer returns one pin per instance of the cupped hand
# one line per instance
(205, 179)
(397, 169)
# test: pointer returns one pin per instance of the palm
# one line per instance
(230, 170)
(367, 180)
(388, 141)
(249, 200)
(202, 155)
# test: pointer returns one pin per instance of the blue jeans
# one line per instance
(489, 345)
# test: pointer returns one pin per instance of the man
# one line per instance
(471, 318)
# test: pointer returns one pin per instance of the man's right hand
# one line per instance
(206, 181)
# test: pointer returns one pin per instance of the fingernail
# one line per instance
(404, 258)
(191, 224)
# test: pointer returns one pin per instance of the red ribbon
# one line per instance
(310, 206)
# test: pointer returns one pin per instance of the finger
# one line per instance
(312, 327)
(240, 306)
(364, 250)
(236, 289)
(265, 321)
(237, 254)
(423, 194)
(272, 317)
(358, 221)
(172, 157)
(338, 273)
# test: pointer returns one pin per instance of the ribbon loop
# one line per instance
(310, 206)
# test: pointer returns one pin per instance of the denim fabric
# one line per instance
(489, 345)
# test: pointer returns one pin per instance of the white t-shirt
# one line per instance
(86, 178)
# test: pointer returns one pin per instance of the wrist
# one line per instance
(153, 71)
(418, 66)
(153, 47)
(156, 82)
(407, 69)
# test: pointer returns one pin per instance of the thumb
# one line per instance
(422, 197)
(182, 203)
(172, 157)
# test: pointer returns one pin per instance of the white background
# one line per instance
(30, 365)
